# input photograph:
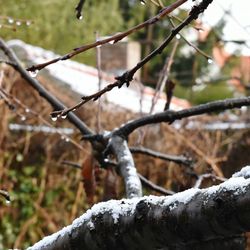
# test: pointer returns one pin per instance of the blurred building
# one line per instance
(121, 56)
(239, 77)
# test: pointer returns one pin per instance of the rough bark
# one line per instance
(212, 218)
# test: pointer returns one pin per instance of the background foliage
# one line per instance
(55, 27)
(47, 196)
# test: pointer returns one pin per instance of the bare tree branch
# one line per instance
(174, 158)
(10, 100)
(202, 177)
(170, 116)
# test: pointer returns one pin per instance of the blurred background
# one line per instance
(47, 194)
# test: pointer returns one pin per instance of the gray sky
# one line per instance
(237, 25)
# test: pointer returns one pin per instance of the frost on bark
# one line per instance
(212, 218)
(126, 167)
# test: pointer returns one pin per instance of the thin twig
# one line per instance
(72, 164)
(174, 158)
(41, 90)
(145, 182)
(149, 184)
(164, 77)
(160, 85)
(208, 176)
(204, 54)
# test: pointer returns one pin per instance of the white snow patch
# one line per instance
(90, 225)
(244, 172)
(125, 207)
(182, 197)
(48, 240)
(236, 184)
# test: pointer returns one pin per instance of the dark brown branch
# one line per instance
(72, 164)
(174, 158)
(126, 167)
(115, 38)
(191, 44)
(170, 116)
(41, 90)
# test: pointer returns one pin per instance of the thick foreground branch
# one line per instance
(212, 218)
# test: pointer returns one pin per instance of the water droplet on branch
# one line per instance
(210, 61)
(54, 118)
(23, 118)
(64, 116)
(33, 73)
(10, 20)
(178, 36)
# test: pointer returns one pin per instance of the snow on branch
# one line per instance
(218, 213)
(126, 167)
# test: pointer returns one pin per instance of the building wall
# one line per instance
(119, 57)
